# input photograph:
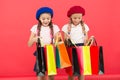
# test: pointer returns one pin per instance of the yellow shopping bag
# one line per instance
(50, 56)
(86, 60)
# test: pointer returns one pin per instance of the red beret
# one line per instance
(76, 9)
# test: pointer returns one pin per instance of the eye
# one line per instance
(74, 18)
(48, 18)
(43, 18)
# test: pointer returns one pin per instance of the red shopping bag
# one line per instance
(69, 70)
(80, 59)
(94, 53)
(74, 69)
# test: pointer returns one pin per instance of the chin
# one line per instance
(45, 25)
(75, 24)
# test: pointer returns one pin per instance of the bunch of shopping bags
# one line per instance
(49, 57)
(76, 60)
(86, 60)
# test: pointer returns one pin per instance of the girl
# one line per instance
(76, 30)
(45, 30)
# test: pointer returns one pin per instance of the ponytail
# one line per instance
(83, 27)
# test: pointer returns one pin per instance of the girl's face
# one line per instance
(45, 19)
(76, 18)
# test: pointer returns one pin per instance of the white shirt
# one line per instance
(45, 33)
(76, 34)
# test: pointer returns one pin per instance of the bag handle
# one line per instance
(95, 42)
(92, 41)
(62, 41)
(58, 38)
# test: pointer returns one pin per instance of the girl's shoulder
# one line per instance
(85, 24)
(34, 28)
(86, 27)
(55, 25)
(65, 25)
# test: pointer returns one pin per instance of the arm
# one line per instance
(32, 39)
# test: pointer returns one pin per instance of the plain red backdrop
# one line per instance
(18, 16)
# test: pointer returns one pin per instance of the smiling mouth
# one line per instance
(45, 23)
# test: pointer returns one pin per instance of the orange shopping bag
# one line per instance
(64, 58)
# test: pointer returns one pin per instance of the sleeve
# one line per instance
(34, 29)
(64, 28)
(56, 29)
(86, 28)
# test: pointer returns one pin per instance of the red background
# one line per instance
(18, 16)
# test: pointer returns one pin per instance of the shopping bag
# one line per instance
(101, 60)
(40, 66)
(50, 56)
(87, 60)
(80, 58)
(75, 69)
(61, 54)
(69, 70)
(64, 59)
(94, 54)
(57, 58)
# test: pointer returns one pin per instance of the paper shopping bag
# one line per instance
(40, 61)
(69, 70)
(101, 60)
(64, 58)
(94, 54)
(80, 58)
(57, 58)
(81, 61)
(87, 60)
(74, 69)
(50, 56)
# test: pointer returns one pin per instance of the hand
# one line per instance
(35, 39)
(68, 37)
(58, 37)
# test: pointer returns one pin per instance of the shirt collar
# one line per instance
(74, 25)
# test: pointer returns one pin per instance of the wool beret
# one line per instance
(43, 10)
(76, 9)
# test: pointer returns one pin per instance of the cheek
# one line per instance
(75, 20)
(49, 20)
(80, 20)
